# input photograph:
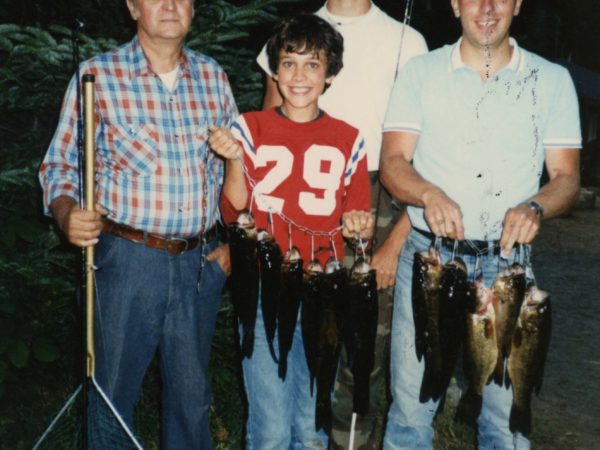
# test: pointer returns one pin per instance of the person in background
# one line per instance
(375, 47)
(160, 268)
(466, 136)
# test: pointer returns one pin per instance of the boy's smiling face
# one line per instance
(301, 79)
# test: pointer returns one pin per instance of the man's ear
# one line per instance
(455, 8)
(135, 14)
(518, 4)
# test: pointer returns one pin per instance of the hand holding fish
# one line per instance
(443, 215)
(223, 143)
(358, 224)
(521, 225)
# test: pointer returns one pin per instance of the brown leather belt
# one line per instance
(173, 245)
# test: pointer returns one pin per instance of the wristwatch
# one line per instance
(537, 208)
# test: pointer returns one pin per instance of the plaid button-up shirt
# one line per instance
(154, 168)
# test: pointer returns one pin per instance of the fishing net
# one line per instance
(106, 430)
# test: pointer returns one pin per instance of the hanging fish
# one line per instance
(528, 355)
(426, 291)
(454, 289)
(288, 305)
(333, 295)
(480, 351)
(360, 331)
(509, 291)
(269, 256)
(244, 277)
(309, 316)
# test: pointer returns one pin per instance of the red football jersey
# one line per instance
(304, 176)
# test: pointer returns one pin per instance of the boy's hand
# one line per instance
(223, 143)
(357, 224)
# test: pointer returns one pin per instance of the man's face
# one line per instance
(486, 23)
(162, 19)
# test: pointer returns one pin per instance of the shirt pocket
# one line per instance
(132, 149)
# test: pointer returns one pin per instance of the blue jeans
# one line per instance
(281, 414)
(409, 423)
(149, 300)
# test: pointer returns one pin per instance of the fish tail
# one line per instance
(248, 343)
(468, 408)
(430, 386)
(323, 416)
(282, 366)
(520, 419)
(498, 375)
(272, 351)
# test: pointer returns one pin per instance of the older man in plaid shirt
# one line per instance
(160, 269)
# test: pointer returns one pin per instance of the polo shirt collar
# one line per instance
(139, 64)
(516, 63)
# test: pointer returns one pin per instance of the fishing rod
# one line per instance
(408, 8)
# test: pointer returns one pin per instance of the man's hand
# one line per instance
(521, 225)
(385, 257)
(223, 143)
(358, 225)
(443, 215)
(221, 256)
(81, 227)
(385, 262)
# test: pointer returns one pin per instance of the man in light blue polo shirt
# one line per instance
(478, 120)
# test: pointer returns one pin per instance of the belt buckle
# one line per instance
(173, 243)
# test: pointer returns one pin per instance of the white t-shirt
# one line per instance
(359, 94)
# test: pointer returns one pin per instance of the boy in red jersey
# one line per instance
(302, 174)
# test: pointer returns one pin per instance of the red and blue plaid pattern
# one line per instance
(152, 156)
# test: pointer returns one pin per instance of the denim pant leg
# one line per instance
(493, 431)
(281, 414)
(131, 288)
(148, 299)
(409, 422)
(185, 347)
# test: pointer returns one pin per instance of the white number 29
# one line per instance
(317, 175)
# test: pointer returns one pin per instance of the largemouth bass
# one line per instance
(289, 305)
(244, 277)
(528, 355)
(481, 351)
(269, 256)
(453, 296)
(426, 290)
(361, 330)
(508, 290)
(309, 315)
(333, 295)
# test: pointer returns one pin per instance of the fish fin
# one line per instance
(520, 420)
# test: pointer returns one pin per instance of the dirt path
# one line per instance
(567, 264)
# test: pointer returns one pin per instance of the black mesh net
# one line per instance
(105, 431)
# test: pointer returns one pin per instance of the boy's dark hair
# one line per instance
(306, 33)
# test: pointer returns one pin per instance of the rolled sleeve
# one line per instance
(58, 174)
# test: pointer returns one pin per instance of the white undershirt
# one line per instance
(169, 78)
